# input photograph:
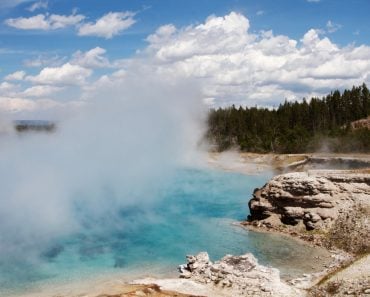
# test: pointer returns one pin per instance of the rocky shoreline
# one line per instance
(326, 208)
(329, 208)
(321, 201)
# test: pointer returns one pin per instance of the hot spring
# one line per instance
(119, 188)
(194, 213)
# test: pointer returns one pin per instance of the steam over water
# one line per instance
(106, 163)
(112, 190)
(191, 213)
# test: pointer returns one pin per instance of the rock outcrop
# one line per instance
(313, 200)
(236, 276)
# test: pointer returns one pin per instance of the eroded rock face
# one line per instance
(309, 200)
(237, 275)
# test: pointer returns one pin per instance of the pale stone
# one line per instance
(310, 197)
(238, 275)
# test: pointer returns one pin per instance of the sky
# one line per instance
(54, 54)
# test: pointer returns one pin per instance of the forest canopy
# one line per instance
(322, 124)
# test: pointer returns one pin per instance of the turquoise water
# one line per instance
(194, 213)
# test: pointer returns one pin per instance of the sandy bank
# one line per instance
(251, 163)
(352, 280)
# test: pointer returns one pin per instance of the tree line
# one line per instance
(295, 127)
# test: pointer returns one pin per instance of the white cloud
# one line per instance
(9, 104)
(332, 27)
(7, 88)
(36, 22)
(18, 75)
(45, 60)
(260, 12)
(313, 43)
(93, 58)
(62, 21)
(109, 25)
(38, 5)
(232, 65)
(67, 74)
(235, 66)
(224, 35)
(41, 91)
(18, 104)
(119, 74)
(162, 34)
(45, 22)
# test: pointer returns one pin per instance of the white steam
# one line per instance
(117, 151)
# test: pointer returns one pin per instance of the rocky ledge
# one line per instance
(236, 276)
(330, 207)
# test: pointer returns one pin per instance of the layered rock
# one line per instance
(236, 276)
(310, 200)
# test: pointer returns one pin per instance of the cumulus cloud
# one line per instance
(41, 91)
(67, 74)
(11, 104)
(45, 60)
(8, 89)
(14, 105)
(38, 5)
(231, 64)
(66, 77)
(18, 75)
(45, 22)
(218, 35)
(35, 22)
(93, 58)
(236, 66)
(62, 21)
(109, 25)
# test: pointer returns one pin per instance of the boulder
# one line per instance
(237, 276)
(312, 199)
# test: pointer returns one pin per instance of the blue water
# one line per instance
(194, 213)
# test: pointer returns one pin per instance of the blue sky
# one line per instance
(288, 17)
(48, 33)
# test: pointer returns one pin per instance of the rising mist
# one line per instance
(117, 150)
